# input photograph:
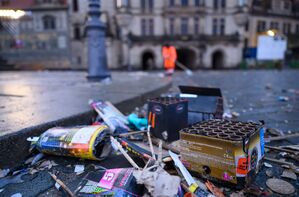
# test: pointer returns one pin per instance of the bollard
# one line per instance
(97, 58)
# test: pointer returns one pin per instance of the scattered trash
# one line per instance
(37, 158)
(111, 116)
(235, 114)
(89, 142)
(269, 173)
(267, 165)
(16, 195)
(254, 190)
(203, 103)
(4, 172)
(283, 98)
(79, 169)
(280, 186)
(57, 186)
(62, 185)
(139, 123)
(270, 139)
(11, 179)
(289, 174)
(193, 186)
(215, 190)
(118, 181)
(167, 116)
(157, 181)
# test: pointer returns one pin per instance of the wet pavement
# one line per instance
(32, 98)
(254, 94)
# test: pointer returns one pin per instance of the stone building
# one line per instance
(40, 38)
(205, 33)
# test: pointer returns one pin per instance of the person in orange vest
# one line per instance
(169, 56)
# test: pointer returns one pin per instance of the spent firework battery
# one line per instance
(88, 142)
(225, 150)
(167, 116)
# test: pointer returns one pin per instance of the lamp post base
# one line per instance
(99, 78)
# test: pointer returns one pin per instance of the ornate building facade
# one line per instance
(40, 38)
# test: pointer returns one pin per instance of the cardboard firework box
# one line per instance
(224, 150)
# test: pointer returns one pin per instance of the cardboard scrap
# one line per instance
(158, 182)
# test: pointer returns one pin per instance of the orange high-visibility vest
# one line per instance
(170, 56)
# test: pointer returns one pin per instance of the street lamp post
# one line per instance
(97, 58)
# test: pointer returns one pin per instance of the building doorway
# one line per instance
(187, 57)
(218, 60)
(148, 61)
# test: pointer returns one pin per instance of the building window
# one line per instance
(5, 2)
(77, 32)
(297, 28)
(197, 3)
(184, 3)
(49, 22)
(184, 25)
(151, 27)
(122, 3)
(223, 3)
(143, 6)
(215, 26)
(261, 26)
(151, 5)
(147, 27)
(143, 27)
(196, 25)
(222, 26)
(274, 25)
(171, 26)
(75, 6)
(241, 3)
(286, 28)
(215, 4)
(171, 3)
(147, 5)
(286, 5)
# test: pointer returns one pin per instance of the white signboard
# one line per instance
(271, 47)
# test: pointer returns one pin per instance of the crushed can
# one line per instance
(87, 142)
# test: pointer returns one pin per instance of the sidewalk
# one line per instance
(31, 102)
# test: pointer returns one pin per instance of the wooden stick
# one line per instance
(270, 139)
(165, 146)
(281, 149)
(150, 142)
(116, 143)
(291, 165)
(131, 133)
(62, 185)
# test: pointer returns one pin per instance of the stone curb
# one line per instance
(14, 147)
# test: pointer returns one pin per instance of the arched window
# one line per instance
(49, 22)
(122, 3)
(184, 2)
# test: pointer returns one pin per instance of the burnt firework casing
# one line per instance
(224, 150)
(167, 116)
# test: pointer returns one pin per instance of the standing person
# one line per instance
(169, 56)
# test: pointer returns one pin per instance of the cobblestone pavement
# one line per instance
(254, 94)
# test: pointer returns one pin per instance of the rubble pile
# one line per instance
(158, 151)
